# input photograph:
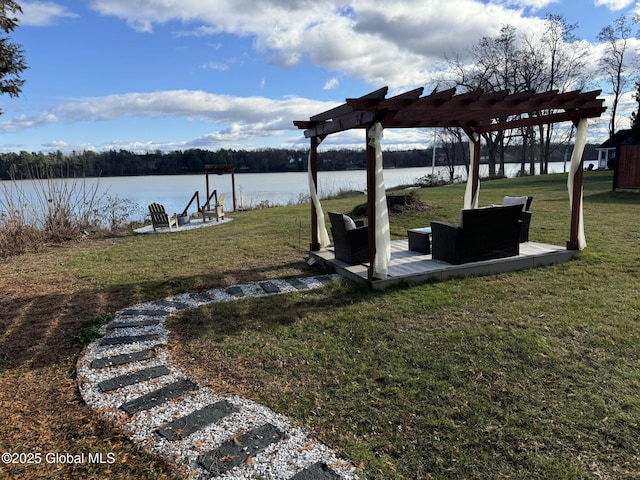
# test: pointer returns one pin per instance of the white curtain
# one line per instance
(576, 163)
(382, 233)
(471, 200)
(323, 236)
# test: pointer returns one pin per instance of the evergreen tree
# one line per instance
(12, 62)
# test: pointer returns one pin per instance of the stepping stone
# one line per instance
(270, 287)
(158, 397)
(235, 291)
(317, 471)
(128, 339)
(133, 377)
(173, 304)
(185, 426)
(236, 451)
(145, 312)
(297, 284)
(149, 322)
(201, 297)
(123, 359)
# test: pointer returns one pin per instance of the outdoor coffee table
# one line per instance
(419, 240)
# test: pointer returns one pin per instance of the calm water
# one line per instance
(174, 192)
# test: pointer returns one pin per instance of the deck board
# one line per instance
(411, 267)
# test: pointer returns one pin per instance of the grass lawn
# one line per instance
(533, 374)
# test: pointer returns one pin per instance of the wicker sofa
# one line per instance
(350, 239)
(483, 234)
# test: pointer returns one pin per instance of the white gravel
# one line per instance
(279, 461)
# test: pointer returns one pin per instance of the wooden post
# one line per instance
(371, 201)
(206, 204)
(313, 165)
(576, 206)
(233, 186)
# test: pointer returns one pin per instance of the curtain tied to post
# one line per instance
(471, 200)
(382, 233)
(323, 236)
(576, 164)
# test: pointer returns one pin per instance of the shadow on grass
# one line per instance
(40, 330)
(619, 196)
(217, 321)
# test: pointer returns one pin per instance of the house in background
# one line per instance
(621, 153)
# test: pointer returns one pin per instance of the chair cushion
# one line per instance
(515, 201)
(349, 224)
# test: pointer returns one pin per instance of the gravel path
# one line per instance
(128, 376)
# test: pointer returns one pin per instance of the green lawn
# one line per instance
(534, 374)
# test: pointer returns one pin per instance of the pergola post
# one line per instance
(576, 207)
(313, 167)
(371, 201)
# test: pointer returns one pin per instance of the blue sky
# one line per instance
(157, 74)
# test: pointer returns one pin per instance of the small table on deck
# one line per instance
(419, 240)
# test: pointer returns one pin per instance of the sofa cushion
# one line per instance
(349, 224)
(515, 201)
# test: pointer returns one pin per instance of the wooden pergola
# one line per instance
(475, 112)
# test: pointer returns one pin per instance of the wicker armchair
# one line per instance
(350, 239)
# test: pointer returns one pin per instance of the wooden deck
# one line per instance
(411, 267)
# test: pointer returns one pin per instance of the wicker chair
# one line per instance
(350, 239)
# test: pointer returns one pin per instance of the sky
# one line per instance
(146, 75)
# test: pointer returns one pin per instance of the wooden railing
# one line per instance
(206, 206)
(196, 196)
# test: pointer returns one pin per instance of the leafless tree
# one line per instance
(547, 61)
(616, 37)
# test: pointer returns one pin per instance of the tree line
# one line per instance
(25, 165)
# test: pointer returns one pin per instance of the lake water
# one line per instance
(252, 189)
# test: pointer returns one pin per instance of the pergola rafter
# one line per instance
(475, 111)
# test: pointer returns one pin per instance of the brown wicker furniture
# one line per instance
(350, 239)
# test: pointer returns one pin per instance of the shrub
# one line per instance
(55, 210)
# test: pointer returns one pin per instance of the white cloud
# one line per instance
(331, 84)
(534, 4)
(395, 44)
(613, 4)
(220, 67)
(257, 113)
(43, 13)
